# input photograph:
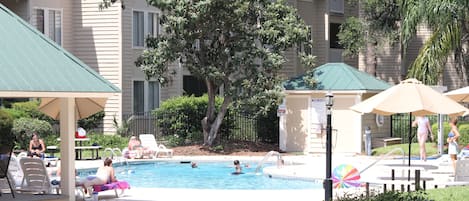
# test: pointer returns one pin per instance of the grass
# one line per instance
(430, 147)
(450, 193)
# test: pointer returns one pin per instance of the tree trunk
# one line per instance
(371, 59)
(211, 128)
(211, 123)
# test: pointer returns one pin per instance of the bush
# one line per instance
(180, 119)
(91, 122)
(386, 196)
(111, 141)
(6, 124)
(463, 128)
(23, 128)
(268, 127)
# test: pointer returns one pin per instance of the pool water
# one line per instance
(206, 176)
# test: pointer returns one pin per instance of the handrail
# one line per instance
(386, 155)
(267, 156)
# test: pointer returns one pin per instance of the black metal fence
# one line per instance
(235, 127)
(401, 124)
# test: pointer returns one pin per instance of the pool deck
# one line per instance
(310, 167)
(301, 166)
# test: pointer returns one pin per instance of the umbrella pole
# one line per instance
(410, 134)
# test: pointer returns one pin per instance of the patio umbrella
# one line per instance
(413, 97)
(459, 95)
(84, 107)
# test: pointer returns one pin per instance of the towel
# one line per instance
(111, 186)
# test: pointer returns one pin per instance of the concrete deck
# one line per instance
(304, 166)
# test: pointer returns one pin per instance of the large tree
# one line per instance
(376, 26)
(448, 21)
(236, 45)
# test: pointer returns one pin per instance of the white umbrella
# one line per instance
(413, 97)
(84, 107)
(459, 95)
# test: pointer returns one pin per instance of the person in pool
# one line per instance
(238, 169)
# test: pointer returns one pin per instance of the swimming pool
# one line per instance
(208, 175)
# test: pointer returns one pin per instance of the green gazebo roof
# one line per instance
(338, 76)
(31, 62)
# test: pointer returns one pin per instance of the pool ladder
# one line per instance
(266, 157)
(115, 154)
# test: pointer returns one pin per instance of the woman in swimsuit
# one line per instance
(104, 175)
(36, 146)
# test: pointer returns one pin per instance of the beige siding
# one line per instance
(297, 118)
(97, 42)
(20, 8)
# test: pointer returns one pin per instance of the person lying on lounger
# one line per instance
(104, 175)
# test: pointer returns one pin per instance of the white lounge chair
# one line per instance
(35, 176)
(148, 140)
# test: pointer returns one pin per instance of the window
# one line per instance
(333, 38)
(146, 96)
(193, 86)
(144, 24)
(49, 22)
(153, 95)
(138, 29)
(139, 96)
(336, 6)
(153, 24)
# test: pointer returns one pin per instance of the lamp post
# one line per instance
(328, 180)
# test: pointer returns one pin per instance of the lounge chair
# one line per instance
(122, 185)
(35, 177)
(149, 141)
(5, 156)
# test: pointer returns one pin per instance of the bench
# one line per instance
(52, 150)
(391, 140)
(92, 148)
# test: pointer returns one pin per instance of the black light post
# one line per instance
(328, 180)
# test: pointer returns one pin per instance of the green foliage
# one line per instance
(123, 129)
(351, 36)
(6, 124)
(23, 128)
(447, 21)
(463, 128)
(92, 121)
(180, 119)
(430, 147)
(386, 196)
(379, 26)
(111, 141)
(236, 44)
(449, 193)
(29, 109)
(267, 127)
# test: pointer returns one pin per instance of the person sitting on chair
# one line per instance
(36, 146)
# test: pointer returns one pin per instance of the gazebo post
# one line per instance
(67, 146)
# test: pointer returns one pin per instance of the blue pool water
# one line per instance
(206, 176)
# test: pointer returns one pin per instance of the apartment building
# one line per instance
(110, 40)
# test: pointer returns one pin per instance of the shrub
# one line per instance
(6, 124)
(386, 196)
(267, 127)
(111, 141)
(180, 119)
(23, 128)
(463, 128)
(91, 122)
